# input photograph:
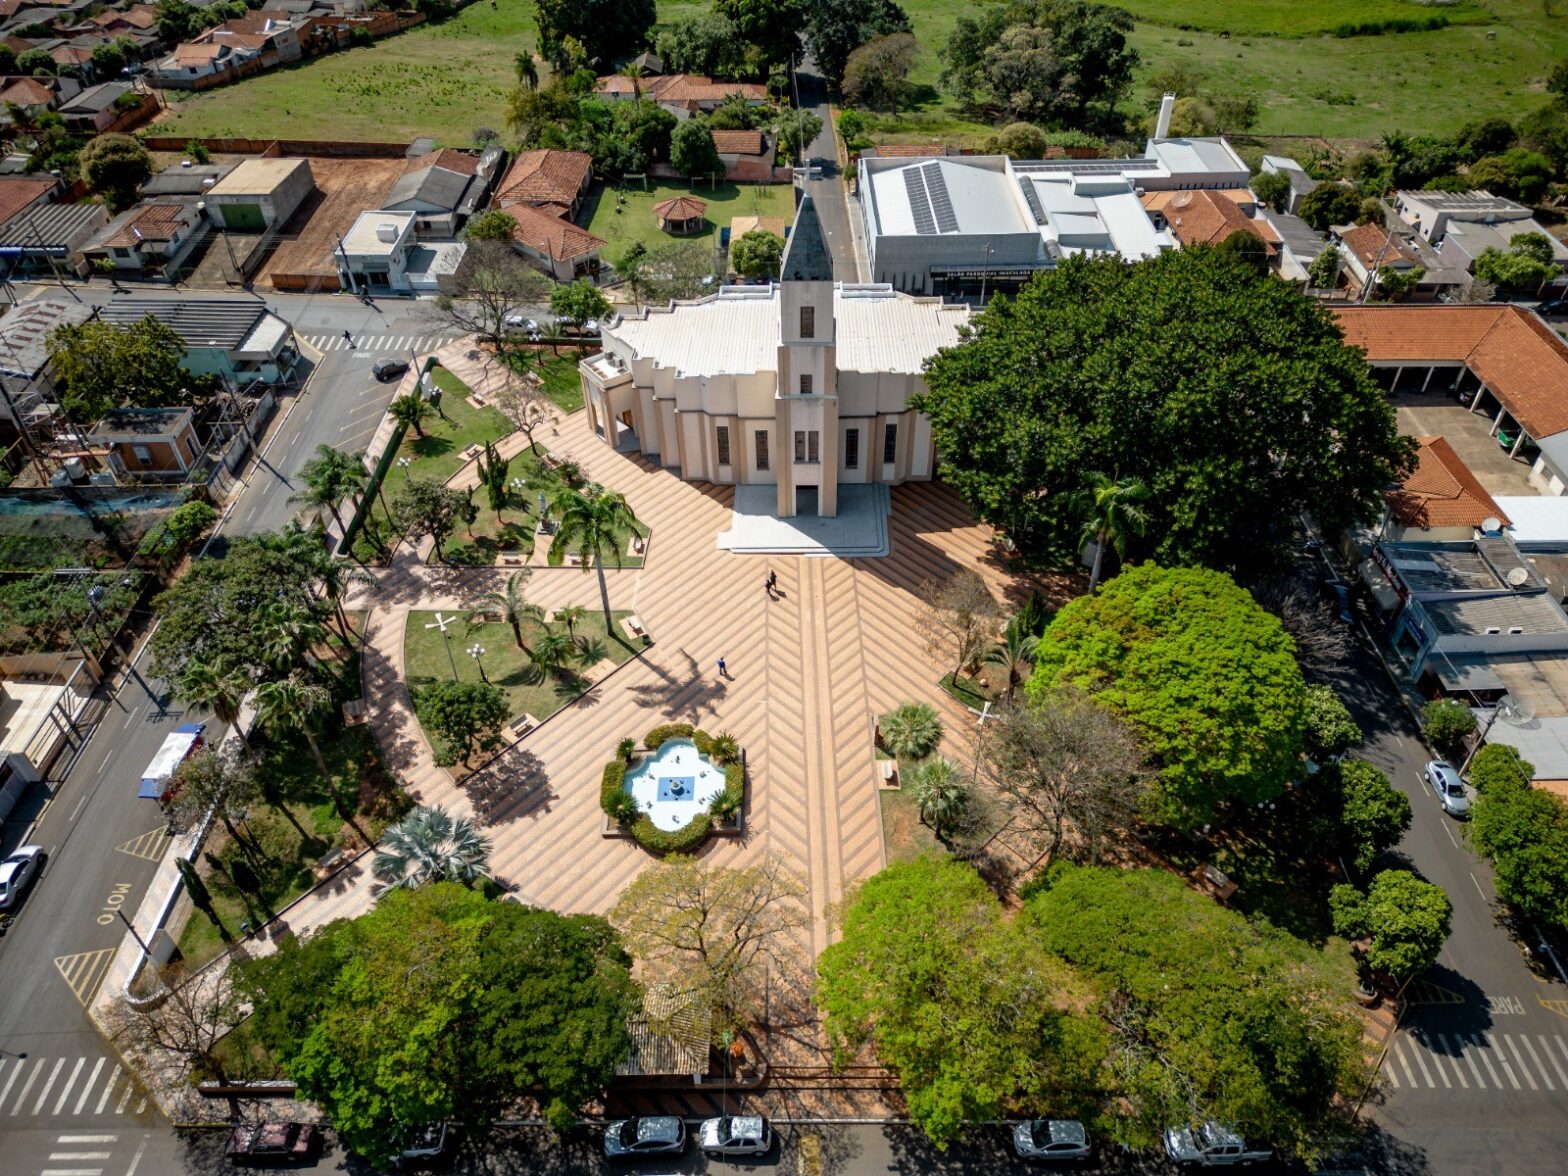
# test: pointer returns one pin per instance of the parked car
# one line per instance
(1338, 594)
(1052, 1139)
(520, 322)
(264, 1144)
(1212, 1146)
(17, 873)
(425, 1146)
(1449, 788)
(591, 327)
(735, 1135)
(1553, 306)
(386, 369)
(646, 1135)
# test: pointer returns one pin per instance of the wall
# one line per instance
(279, 147)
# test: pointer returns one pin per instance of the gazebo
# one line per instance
(681, 215)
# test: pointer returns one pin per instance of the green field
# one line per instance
(450, 78)
(622, 222)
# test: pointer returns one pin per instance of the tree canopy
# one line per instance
(703, 43)
(757, 254)
(692, 151)
(1373, 814)
(102, 366)
(1230, 395)
(606, 29)
(769, 29)
(441, 1004)
(1526, 264)
(1328, 205)
(463, 716)
(1524, 831)
(1205, 675)
(114, 166)
(1212, 1016)
(836, 28)
(977, 1018)
(1055, 62)
(1406, 920)
(878, 72)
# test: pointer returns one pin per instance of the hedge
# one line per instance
(615, 801)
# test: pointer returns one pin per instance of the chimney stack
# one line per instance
(1162, 127)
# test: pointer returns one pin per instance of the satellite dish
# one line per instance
(1517, 577)
(1491, 525)
(1516, 713)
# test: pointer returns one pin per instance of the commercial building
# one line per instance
(1462, 225)
(236, 338)
(259, 194)
(803, 384)
(953, 225)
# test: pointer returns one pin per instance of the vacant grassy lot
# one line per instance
(1293, 18)
(443, 79)
(438, 455)
(620, 222)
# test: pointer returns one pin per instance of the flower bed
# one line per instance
(725, 808)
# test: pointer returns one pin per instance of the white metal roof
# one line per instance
(1181, 156)
(982, 200)
(736, 331)
(364, 240)
(1535, 519)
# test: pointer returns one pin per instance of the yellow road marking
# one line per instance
(1560, 1007)
(149, 846)
(1424, 992)
(84, 972)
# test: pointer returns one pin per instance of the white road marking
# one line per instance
(1530, 1049)
(1419, 1051)
(137, 1158)
(79, 1155)
(87, 1139)
(65, 1093)
(1478, 889)
(130, 1087)
(21, 1064)
(1450, 834)
(1502, 1060)
(43, 1095)
(1523, 1069)
(28, 1085)
(1453, 1056)
(1469, 1057)
(70, 1172)
(114, 1076)
(87, 1088)
(1486, 1060)
(1400, 1054)
(81, 804)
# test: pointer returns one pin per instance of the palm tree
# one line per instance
(571, 616)
(513, 608)
(527, 69)
(289, 632)
(330, 477)
(552, 651)
(429, 845)
(911, 731)
(220, 685)
(337, 576)
(411, 409)
(593, 520)
(1013, 652)
(293, 704)
(940, 793)
(634, 72)
(1111, 515)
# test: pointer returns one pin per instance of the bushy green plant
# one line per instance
(682, 840)
(656, 738)
(1330, 729)
(724, 748)
(911, 731)
(625, 749)
(612, 789)
(1447, 724)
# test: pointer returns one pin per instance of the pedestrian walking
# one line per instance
(767, 585)
(349, 337)
(773, 582)
(724, 670)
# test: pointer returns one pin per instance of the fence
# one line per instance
(273, 148)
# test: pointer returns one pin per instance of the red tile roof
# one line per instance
(553, 236)
(155, 222)
(1522, 361)
(544, 176)
(681, 88)
(1203, 217)
(139, 16)
(26, 92)
(1373, 246)
(19, 192)
(1441, 491)
(447, 159)
(738, 142)
(681, 208)
(71, 54)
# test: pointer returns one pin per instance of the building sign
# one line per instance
(1394, 577)
(1021, 274)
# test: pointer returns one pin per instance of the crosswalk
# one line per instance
(79, 1155)
(1480, 1061)
(418, 344)
(83, 1086)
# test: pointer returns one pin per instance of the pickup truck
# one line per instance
(1211, 1146)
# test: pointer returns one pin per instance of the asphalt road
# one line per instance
(826, 186)
(1476, 1079)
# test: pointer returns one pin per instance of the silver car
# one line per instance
(1052, 1139)
(1449, 788)
(648, 1135)
(17, 873)
(735, 1135)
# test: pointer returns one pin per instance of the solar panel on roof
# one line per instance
(919, 203)
(941, 202)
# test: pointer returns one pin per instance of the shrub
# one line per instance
(659, 736)
(1497, 767)
(911, 731)
(1330, 729)
(724, 749)
(1447, 724)
(625, 749)
(612, 788)
(682, 840)
(728, 802)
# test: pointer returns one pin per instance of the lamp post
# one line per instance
(477, 652)
(441, 623)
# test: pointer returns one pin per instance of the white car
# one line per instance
(735, 1135)
(591, 327)
(1450, 789)
(518, 322)
(1051, 1139)
(17, 873)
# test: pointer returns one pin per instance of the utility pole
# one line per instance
(352, 286)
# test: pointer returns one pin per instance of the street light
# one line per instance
(477, 652)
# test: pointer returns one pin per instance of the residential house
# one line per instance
(50, 239)
(1461, 225)
(91, 111)
(373, 255)
(185, 178)
(192, 64)
(444, 188)
(802, 385)
(1501, 361)
(34, 96)
(747, 155)
(1300, 182)
(158, 443)
(1207, 216)
(150, 240)
(546, 178)
(1440, 499)
(554, 244)
(238, 339)
(20, 193)
(1368, 249)
(76, 57)
(259, 194)
(1299, 244)
(683, 95)
(138, 18)
(26, 369)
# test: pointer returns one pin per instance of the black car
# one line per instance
(1553, 306)
(256, 1145)
(386, 369)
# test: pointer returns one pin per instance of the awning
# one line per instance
(1382, 591)
(1462, 675)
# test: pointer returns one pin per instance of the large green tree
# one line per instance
(1231, 396)
(114, 166)
(757, 254)
(595, 525)
(1373, 814)
(692, 152)
(606, 29)
(703, 43)
(441, 1004)
(1405, 920)
(770, 30)
(966, 1005)
(1526, 264)
(1213, 1016)
(101, 366)
(464, 717)
(836, 28)
(1205, 675)
(1524, 831)
(1055, 62)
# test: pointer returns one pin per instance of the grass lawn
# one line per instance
(444, 79)
(562, 384)
(285, 866)
(622, 223)
(527, 690)
(439, 454)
